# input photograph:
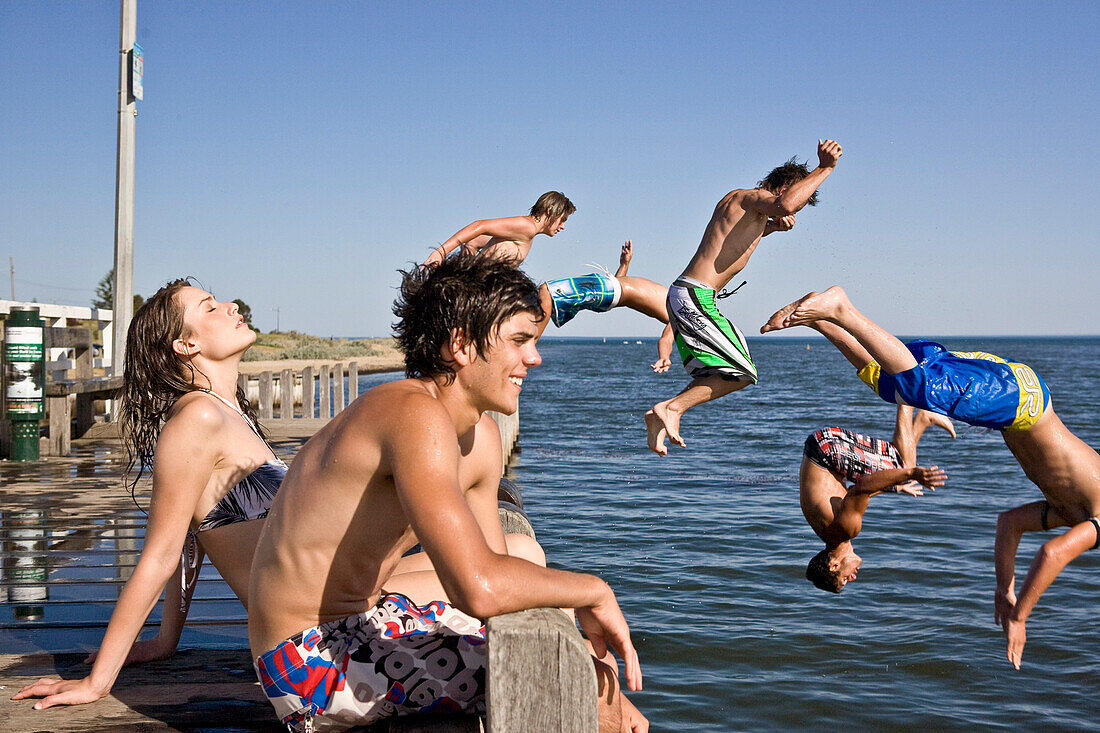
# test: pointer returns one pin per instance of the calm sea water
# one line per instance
(707, 547)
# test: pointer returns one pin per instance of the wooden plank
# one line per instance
(103, 387)
(286, 394)
(540, 675)
(353, 381)
(307, 392)
(193, 689)
(326, 387)
(267, 396)
(60, 337)
(338, 388)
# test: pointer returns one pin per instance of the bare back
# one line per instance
(729, 240)
(315, 566)
(513, 250)
(1063, 466)
(821, 494)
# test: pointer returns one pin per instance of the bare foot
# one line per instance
(655, 433)
(776, 321)
(934, 418)
(671, 420)
(824, 306)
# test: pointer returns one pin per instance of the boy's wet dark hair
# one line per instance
(790, 172)
(818, 573)
(552, 206)
(469, 293)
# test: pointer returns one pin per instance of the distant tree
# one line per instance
(245, 311)
(105, 293)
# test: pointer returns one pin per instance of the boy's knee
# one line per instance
(526, 548)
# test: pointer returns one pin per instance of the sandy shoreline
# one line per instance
(372, 364)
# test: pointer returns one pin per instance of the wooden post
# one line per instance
(353, 381)
(540, 675)
(267, 396)
(242, 384)
(59, 443)
(326, 387)
(286, 394)
(307, 392)
(338, 386)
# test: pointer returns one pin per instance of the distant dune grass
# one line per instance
(293, 345)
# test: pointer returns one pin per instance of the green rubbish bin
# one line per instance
(25, 377)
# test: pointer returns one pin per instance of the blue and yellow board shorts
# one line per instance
(975, 387)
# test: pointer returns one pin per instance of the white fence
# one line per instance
(60, 360)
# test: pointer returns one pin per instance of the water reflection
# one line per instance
(24, 538)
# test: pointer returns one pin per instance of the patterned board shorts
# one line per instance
(394, 659)
(592, 292)
(850, 454)
(708, 343)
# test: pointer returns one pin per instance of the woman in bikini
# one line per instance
(214, 475)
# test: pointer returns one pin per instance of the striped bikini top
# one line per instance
(249, 499)
(252, 496)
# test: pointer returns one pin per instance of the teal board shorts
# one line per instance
(708, 342)
(592, 292)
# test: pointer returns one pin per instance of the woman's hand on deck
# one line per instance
(62, 692)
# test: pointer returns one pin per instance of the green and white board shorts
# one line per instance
(708, 343)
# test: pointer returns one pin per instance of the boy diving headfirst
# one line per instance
(833, 456)
(713, 350)
(986, 390)
(511, 237)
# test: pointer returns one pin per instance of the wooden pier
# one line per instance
(539, 678)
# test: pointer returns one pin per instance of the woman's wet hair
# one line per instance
(790, 172)
(155, 376)
(472, 294)
(818, 573)
(552, 206)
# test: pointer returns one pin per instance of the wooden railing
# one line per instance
(323, 392)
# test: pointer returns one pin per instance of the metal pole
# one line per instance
(123, 306)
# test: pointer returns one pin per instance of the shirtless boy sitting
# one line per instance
(509, 238)
(833, 456)
(713, 350)
(985, 390)
(338, 639)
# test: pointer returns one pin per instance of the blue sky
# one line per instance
(295, 155)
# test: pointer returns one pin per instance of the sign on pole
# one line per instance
(137, 69)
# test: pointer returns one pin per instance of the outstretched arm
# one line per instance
(1012, 611)
(172, 619)
(878, 481)
(664, 350)
(512, 228)
(795, 196)
(181, 468)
